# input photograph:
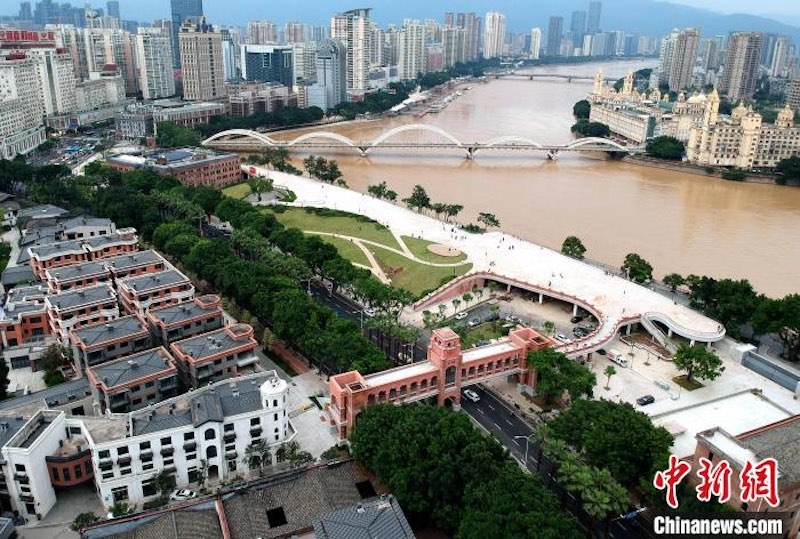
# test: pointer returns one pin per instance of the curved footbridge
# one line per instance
(616, 302)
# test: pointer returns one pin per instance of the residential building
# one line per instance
(154, 58)
(63, 278)
(134, 123)
(740, 71)
(577, 26)
(21, 105)
(304, 56)
(245, 99)
(83, 227)
(471, 24)
(434, 58)
(683, 59)
(352, 28)
(494, 37)
(77, 308)
(330, 87)
(183, 320)
(135, 263)
(633, 124)
(65, 253)
(182, 10)
(268, 63)
(536, 43)
(101, 89)
(192, 167)
(187, 114)
(593, 22)
(777, 441)
(793, 94)
(134, 382)
(446, 371)
(201, 61)
(262, 33)
(554, 35)
(24, 321)
(141, 292)
(453, 45)
(106, 47)
(411, 53)
(779, 66)
(230, 54)
(216, 355)
(100, 343)
(379, 517)
(296, 32)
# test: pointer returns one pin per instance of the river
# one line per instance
(679, 222)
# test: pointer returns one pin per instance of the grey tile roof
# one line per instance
(84, 296)
(84, 220)
(98, 242)
(51, 396)
(17, 274)
(380, 517)
(211, 343)
(12, 310)
(153, 281)
(58, 248)
(206, 407)
(781, 443)
(9, 426)
(132, 260)
(26, 293)
(197, 521)
(39, 235)
(76, 271)
(182, 311)
(42, 211)
(134, 367)
(124, 326)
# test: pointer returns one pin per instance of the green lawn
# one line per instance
(486, 331)
(240, 190)
(347, 249)
(420, 249)
(336, 222)
(413, 276)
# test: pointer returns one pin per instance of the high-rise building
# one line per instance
(304, 56)
(453, 45)
(683, 59)
(262, 33)
(740, 72)
(471, 24)
(112, 9)
(709, 55)
(268, 63)
(793, 95)
(779, 65)
(412, 50)
(554, 31)
(577, 26)
(331, 86)
(494, 37)
(593, 22)
(154, 61)
(182, 10)
(25, 11)
(352, 28)
(202, 61)
(230, 53)
(536, 43)
(295, 32)
(21, 106)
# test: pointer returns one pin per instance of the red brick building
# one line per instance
(190, 167)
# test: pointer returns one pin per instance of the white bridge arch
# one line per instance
(246, 133)
(599, 141)
(323, 134)
(416, 127)
(510, 140)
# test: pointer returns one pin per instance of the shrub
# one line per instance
(734, 175)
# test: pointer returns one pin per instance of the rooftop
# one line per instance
(172, 159)
(17, 274)
(84, 220)
(125, 326)
(216, 342)
(58, 248)
(134, 367)
(174, 314)
(76, 271)
(50, 397)
(482, 352)
(381, 517)
(132, 260)
(780, 442)
(153, 281)
(41, 211)
(399, 373)
(84, 296)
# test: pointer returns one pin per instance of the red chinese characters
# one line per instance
(714, 480)
(671, 478)
(760, 481)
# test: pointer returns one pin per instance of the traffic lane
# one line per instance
(493, 415)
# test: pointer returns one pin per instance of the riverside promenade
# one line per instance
(617, 301)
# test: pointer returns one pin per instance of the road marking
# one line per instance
(481, 411)
(496, 425)
(490, 406)
(509, 422)
(515, 441)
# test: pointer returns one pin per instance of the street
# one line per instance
(511, 431)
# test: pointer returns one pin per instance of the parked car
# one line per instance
(644, 400)
(461, 316)
(491, 317)
(369, 311)
(182, 495)
(563, 338)
(475, 322)
(618, 357)
(601, 351)
(405, 358)
(575, 319)
(471, 395)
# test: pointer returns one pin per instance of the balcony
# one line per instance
(21, 477)
(27, 498)
(146, 456)
(229, 436)
(190, 445)
(124, 460)
(255, 431)
(231, 455)
(167, 451)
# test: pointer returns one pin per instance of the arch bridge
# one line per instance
(243, 139)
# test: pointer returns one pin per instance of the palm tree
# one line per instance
(257, 456)
(442, 308)
(467, 297)
(495, 315)
(478, 292)
(456, 303)
(609, 372)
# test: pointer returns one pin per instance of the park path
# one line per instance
(406, 252)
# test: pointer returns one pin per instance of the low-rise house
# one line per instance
(187, 319)
(78, 308)
(63, 278)
(136, 263)
(133, 382)
(216, 355)
(66, 253)
(100, 343)
(154, 290)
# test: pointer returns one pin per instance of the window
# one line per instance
(78, 472)
(122, 450)
(149, 488)
(228, 427)
(66, 474)
(55, 474)
(276, 417)
(166, 441)
(108, 475)
(150, 384)
(168, 461)
(19, 468)
(144, 446)
(188, 436)
(119, 494)
(125, 471)
(191, 456)
(210, 434)
(88, 467)
(254, 422)
(232, 465)
(147, 466)
(211, 452)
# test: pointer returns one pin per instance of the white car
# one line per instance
(471, 395)
(369, 311)
(461, 316)
(561, 337)
(182, 495)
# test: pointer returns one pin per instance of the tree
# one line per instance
(442, 308)
(259, 184)
(613, 435)
(164, 483)
(556, 374)
(666, 147)
(456, 302)
(378, 190)
(438, 208)
(258, 456)
(674, 280)
(549, 327)
(83, 520)
(573, 246)
(419, 199)
(290, 452)
(172, 135)
(120, 509)
(637, 268)
(789, 168)
(581, 109)
(467, 297)
(698, 361)
(731, 302)
(591, 129)
(452, 210)
(609, 372)
(781, 316)
(488, 220)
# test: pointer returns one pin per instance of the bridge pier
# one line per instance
(471, 153)
(552, 155)
(363, 150)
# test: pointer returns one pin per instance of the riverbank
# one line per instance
(697, 170)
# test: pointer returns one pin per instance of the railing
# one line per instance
(68, 458)
(705, 336)
(659, 336)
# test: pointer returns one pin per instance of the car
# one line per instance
(563, 338)
(481, 342)
(644, 400)
(475, 322)
(579, 332)
(182, 495)
(369, 311)
(575, 319)
(491, 317)
(601, 351)
(461, 316)
(471, 395)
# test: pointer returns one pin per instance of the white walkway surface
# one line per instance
(511, 257)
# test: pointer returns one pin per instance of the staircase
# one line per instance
(657, 334)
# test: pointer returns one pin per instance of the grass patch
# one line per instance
(688, 385)
(413, 276)
(347, 249)
(420, 249)
(337, 222)
(240, 190)
(486, 332)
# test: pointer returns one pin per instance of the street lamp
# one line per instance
(527, 445)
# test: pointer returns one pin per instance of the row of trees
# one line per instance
(419, 201)
(323, 169)
(666, 147)
(281, 118)
(377, 102)
(590, 129)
